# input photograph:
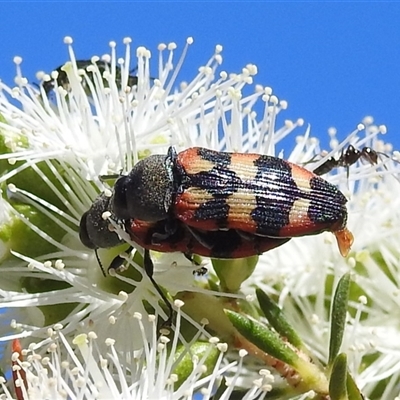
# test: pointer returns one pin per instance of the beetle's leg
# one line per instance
(149, 268)
(99, 262)
(117, 262)
(202, 238)
(246, 235)
(170, 228)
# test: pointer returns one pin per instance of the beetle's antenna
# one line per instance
(117, 262)
(149, 268)
(100, 264)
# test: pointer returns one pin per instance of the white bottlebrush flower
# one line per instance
(66, 143)
(55, 149)
(303, 273)
(55, 146)
(59, 368)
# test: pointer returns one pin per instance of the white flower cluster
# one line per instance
(84, 121)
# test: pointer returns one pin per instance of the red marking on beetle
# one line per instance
(301, 176)
(19, 375)
(192, 163)
(186, 205)
(299, 222)
(223, 244)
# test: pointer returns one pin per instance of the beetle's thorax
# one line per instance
(146, 192)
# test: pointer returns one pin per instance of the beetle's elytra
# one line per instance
(210, 191)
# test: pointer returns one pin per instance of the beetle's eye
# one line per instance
(83, 233)
(94, 231)
(119, 200)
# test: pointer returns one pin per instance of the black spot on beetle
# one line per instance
(215, 157)
(276, 191)
(225, 243)
(220, 243)
(275, 164)
(270, 216)
(216, 210)
(219, 182)
(327, 203)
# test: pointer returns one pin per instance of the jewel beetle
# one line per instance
(63, 81)
(252, 194)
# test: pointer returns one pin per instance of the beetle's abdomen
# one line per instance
(216, 244)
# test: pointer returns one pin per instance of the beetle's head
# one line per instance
(94, 231)
(146, 192)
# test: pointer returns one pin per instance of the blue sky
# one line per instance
(333, 62)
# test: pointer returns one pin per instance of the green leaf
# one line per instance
(353, 392)
(184, 357)
(338, 380)
(338, 316)
(277, 319)
(310, 376)
(264, 338)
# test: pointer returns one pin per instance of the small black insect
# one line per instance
(348, 157)
(62, 79)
